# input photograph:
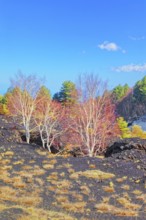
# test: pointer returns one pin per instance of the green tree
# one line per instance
(67, 94)
(123, 126)
(139, 91)
(119, 92)
(56, 96)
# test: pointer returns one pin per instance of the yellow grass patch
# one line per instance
(141, 198)
(70, 170)
(53, 176)
(92, 166)
(48, 166)
(77, 196)
(62, 199)
(74, 207)
(5, 161)
(108, 189)
(10, 194)
(9, 153)
(61, 191)
(107, 208)
(67, 165)
(137, 192)
(125, 187)
(85, 189)
(96, 174)
(41, 152)
(62, 174)
(121, 179)
(128, 204)
(32, 213)
(18, 162)
(6, 168)
(38, 172)
(64, 184)
(27, 167)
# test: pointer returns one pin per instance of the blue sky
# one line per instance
(60, 39)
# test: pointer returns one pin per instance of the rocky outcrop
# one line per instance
(132, 149)
(126, 144)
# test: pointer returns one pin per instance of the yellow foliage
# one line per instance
(3, 109)
(123, 126)
(138, 132)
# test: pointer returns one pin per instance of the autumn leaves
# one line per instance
(84, 116)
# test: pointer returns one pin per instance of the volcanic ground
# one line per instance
(37, 185)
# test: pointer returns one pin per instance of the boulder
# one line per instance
(127, 148)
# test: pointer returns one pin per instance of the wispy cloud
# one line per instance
(110, 46)
(137, 38)
(131, 68)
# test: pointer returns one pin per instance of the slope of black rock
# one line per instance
(126, 144)
(8, 130)
(129, 149)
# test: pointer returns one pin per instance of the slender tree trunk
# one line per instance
(42, 139)
(27, 133)
(27, 136)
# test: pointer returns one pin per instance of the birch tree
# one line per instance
(50, 119)
(22, 100)
(93, 118)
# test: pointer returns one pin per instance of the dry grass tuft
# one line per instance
(76, 196)
(74, 207)
(67, 165)
(125, 187)
(48, 166)
(70, 170)
(85, 189)
(108, 189)
(9, 153)
(128, 204)
(96, 174)
(64, 184)
(52, 176)
(92, 166)
(38, 172)
(121, 179)
(41, 152)
(137, 192)
(62, 199)
(5, 161)
(32, 213)
(18, 162)
(107, 208)
(141, 198)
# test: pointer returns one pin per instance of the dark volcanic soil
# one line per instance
(54, 187)
(35, 185)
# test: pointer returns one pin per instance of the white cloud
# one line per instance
(136, 38)
(110, 46)
(131, 68)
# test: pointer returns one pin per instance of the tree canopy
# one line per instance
(67, 93)
(120, 91)
(139, 91)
